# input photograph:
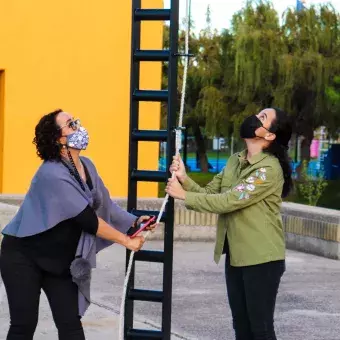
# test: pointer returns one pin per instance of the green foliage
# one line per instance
(257, 45)
(311, 189)
(311, 38)
(260, 63)
(332, 94)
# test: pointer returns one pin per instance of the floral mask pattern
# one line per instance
(78, 140)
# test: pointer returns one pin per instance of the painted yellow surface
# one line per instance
(74, 55)
(2, 97)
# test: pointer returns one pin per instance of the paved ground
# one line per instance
(308, 305)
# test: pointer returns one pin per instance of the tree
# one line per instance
(288, 66)
(332, 94)
(258, 44)
(261, 63)
(306, 69)
(205, 105)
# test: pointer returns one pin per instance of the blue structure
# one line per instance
(332, 163)
(300, 5)
(315, 167)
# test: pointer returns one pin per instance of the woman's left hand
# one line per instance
(145, 218)
(174, 189)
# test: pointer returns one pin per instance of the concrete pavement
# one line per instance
(308, 304)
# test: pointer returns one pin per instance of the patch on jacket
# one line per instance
(250, 184)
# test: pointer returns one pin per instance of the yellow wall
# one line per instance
(2, 97)
(74, 55)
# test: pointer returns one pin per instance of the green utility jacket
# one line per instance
(247, 197)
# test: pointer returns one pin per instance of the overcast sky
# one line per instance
(222, 10)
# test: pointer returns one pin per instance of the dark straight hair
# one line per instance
(282, 127)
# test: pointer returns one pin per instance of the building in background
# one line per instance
(73, 55)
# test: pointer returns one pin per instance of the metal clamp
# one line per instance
(179, 128)
(188, 55)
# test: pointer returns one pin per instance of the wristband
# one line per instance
(135, 223)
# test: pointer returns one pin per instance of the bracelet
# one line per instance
(135, 223)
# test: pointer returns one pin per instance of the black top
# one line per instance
(55, 249)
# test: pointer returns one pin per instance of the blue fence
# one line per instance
(314, 167)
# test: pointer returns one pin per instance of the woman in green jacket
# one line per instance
(247, 196)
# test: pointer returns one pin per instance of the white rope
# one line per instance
(178, 146)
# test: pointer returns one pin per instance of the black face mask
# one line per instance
(249, 126)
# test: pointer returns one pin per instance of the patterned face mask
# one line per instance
(78, 140)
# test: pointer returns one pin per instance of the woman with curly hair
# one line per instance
(247, 196)
(51, 244)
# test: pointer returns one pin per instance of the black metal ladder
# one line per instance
(170, 97)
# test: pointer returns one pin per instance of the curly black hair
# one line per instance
(46, 137)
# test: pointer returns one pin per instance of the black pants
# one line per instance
(23, 281)
(252, 295)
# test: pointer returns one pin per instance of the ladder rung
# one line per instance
(139, 213)
(152, 14)
(152, 55)
(142, 334)
(146, 295)
(150, 135)
(150, 256)
(149, 176)
(151, 95)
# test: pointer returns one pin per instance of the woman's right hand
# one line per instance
(135, 244)
(179, 167)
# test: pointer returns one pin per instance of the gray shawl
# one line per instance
(55, 196)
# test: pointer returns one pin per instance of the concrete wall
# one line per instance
(308, 229)
(311, 229)
(74, 55)
(6, 214)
